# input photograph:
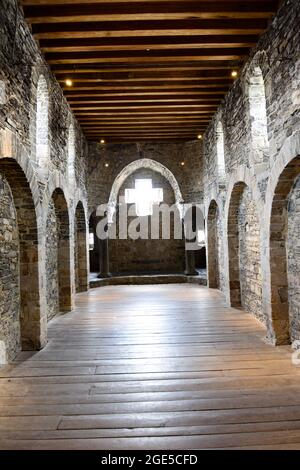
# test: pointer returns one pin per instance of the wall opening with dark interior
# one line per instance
(59, 297)
(20, 312)
(144, 256)
(80, 250)
(243, 230)
(285, 255)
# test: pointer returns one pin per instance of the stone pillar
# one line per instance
(189, 254)
(104, 257)
(190, 263)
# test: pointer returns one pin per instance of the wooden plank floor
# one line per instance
(152, 367)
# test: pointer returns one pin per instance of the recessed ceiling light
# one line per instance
(182, 163)
(69, 82)
(107, 165)
(199, 136)
(234, 74)
(102, 141)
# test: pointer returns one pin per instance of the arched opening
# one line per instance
(258, 115)
(20, 314)
(285, 255)
(71, 154)
(244, 252)
(59, 298)
(80, 250)
(143, 163)
(42, 123)
(94, 246)
(220, 153)
(213, 267)
(146, 245)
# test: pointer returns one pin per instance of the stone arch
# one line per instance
(289, 151)
(283, 250)
(71, 153)
(42, 124)
(213, 267)
(80, 251)
(244, 250)
(146, 163)
(257, 107)
(31, 331)
(59, 291)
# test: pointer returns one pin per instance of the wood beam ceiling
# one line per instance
(146, 69)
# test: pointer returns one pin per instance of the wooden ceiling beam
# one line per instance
(85, 58)
(147, 99)
(213, 94)
(156, 43)
(167, 122)
(176, 10)
(198, 27)
(157, 90)
(202, 69)
(152, 113)
(112, 2)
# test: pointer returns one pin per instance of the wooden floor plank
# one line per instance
(141, 367)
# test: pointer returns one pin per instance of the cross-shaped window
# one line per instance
(143, 196)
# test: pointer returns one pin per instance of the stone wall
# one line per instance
(118, 156)
(293, 260)
(260, 118)
(144, 256)
(9, 273)
(29, 91)
(52, 288)
(249, 256)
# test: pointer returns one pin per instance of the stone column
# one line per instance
(190, 263)
(104, 257)
(189, 254)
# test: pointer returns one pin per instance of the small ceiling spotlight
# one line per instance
(199, 136)
(106, 165)
(234, 73)
(102, 141)
(182, 163)
(68, 82)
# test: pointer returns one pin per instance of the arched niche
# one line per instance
(20, 266)
(80, 250)
(285, 254)
(58, 271)
(146, 163)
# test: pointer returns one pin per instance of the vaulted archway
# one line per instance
(58, 270)
(284, 254)
(80, 250)
(143, 163)
(243, 231)
(19, 266)
(213, 268)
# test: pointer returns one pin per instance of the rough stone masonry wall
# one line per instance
(118, 156)
(21, 66)
(140, 256)
(249, 243)
(293, 260)
(52, 288)
(9, 274)
(277, 55)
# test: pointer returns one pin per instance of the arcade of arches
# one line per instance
(70, 143)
